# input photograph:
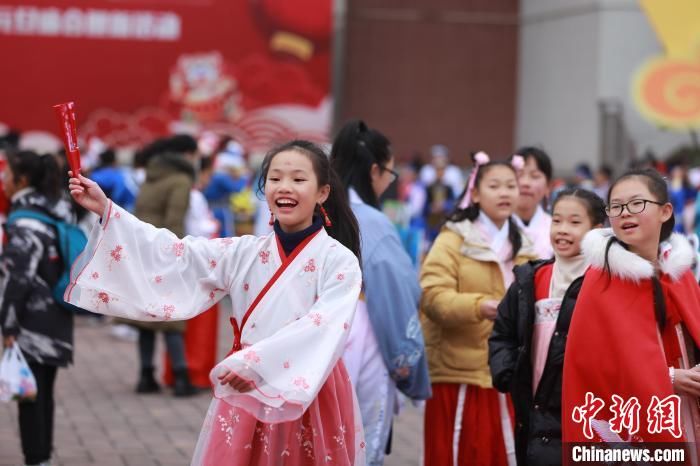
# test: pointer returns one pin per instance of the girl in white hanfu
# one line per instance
(282, 396)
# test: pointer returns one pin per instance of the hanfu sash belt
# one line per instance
(286, 261)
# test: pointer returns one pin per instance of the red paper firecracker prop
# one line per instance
(66, 120)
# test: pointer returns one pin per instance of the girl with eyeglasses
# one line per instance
(385, 350)
(636, 327)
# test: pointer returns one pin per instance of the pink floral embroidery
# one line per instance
(341, 276)
(212, 295)
(158, 279)
(227, 424)
(264, 256)
(316, 318)
(310, 266)
(212, 264)
(301, 382)
(226, 241)
(340, 438)
(117, 215)
(252, 356)
(346, 326)
(95, 275)
(362, 445)
(102, 298)
(286, 364)
(116, 253)
(168, 310)
(179, 249)
(246, 287)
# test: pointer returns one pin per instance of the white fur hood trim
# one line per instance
(675, 258)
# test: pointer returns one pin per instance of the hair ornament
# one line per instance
(480, 158)
(517, 162)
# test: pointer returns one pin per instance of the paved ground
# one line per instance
(100, 420)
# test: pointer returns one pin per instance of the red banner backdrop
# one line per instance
(138, 69)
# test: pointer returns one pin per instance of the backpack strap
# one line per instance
(26, 213)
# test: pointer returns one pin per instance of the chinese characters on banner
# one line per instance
(661, 415)
(92, 23)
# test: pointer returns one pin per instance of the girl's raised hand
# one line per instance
(87, 193)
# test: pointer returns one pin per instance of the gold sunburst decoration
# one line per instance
(666, 88)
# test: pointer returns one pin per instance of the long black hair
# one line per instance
(345, 228)
(355, 149)
(658, 189)
(595, 206)
(471, 212)
(41, 172)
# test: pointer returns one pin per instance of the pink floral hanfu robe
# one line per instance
(291, 317)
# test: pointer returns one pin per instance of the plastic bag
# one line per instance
(16, 379)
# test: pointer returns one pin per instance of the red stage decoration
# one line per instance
(257, 70)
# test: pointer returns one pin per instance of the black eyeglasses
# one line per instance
(635, 206)
(394, 173)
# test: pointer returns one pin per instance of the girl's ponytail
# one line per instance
(515, 237)
(41, 172)
(344, 226)
(355, 149)
(51, 183)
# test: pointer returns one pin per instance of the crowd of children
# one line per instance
(536, 321)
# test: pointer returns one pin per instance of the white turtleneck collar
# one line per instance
(496, 237)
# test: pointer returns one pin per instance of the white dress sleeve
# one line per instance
(290, 367)
(131, 269)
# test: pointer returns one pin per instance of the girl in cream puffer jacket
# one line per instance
(464, 277)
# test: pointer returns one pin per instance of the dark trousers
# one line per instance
(36, 417)
(174, 342)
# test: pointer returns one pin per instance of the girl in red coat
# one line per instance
(629, 368)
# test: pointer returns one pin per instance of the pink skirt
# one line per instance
(328, 433)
